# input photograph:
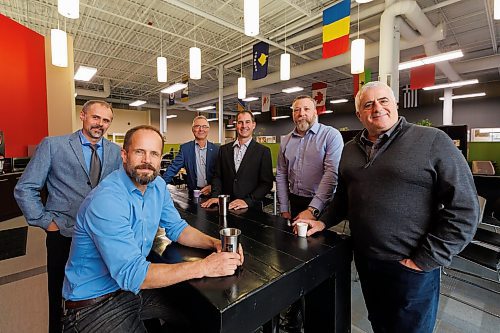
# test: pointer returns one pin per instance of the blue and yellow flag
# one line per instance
(260, 56)
(336, 24)
(241, 106)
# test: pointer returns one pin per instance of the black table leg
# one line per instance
(272, 325)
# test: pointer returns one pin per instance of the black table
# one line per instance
(279, 269)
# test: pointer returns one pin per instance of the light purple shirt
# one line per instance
(308, 165)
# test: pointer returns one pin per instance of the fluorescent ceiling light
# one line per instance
(363, 1)
(171, 116)
(212, 119)
(250, 99)
(465, 96)
(431, 59)
(280, 117)
(452, 84)
(173, 88)
(85, 73)
(292, 90)
(137, 103)
(337, 101)
(229, 125)
(205, 108)
(59, 48)
(256, 113)
(328, 111)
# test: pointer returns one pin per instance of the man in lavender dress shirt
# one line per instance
(306, 176)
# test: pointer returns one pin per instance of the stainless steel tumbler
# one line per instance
(230, 239)
(223, 203)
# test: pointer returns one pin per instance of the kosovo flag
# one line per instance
(260, 56)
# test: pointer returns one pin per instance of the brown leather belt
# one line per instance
(71, 305)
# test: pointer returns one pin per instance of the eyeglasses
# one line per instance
(197, 127)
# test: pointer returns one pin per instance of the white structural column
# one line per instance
(221, 104)
(448, 107)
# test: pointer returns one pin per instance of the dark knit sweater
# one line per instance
(415, 199)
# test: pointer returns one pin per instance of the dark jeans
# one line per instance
(398, 298)
(57, 254)
(125, 312)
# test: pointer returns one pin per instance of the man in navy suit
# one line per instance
(198, 157)
(244, 168)
(69, 166)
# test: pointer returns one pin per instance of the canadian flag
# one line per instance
(319, 95)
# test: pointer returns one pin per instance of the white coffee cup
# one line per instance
(302, 229)
(196, 193)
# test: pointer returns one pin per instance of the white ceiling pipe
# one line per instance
(310, 67)
(93, 93)
(414, 14)
(478, 64)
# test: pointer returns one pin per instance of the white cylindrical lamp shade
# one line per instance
(242, 87)
(69, 8)
(285, 67)
(194, 63)
(496, 10)
(161, 69)
(59, 48)
(357, 56)
(251, 17)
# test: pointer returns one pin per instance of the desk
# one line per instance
(279, 268)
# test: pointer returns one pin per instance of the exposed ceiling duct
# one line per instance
(95, 93)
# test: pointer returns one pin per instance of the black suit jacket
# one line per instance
(254, 178)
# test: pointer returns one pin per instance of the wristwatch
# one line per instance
(314, 211)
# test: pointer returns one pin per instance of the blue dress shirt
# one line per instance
(113, 234)
(87, 151)
(308, 165)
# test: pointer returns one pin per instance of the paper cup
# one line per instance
(302, 229)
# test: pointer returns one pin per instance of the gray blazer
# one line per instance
(59, 164)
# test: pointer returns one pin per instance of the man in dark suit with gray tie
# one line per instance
(244, 168)
(69, 166)
(198, 157)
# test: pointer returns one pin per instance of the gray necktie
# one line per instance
(95, 166)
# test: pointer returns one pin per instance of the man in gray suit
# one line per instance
(69, 166)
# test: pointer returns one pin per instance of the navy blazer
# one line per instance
(58, 163)
(254, 178)
(186, 158)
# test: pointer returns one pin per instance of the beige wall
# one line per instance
(60, 93)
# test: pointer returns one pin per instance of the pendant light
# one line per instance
(59, 47)
(161, 65)
(194, 56)
(496, 10)
(358, 53)
(242, 81)
(285, 61)
(69, 8)
(251, 17)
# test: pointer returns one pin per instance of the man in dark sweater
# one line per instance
(411, 202)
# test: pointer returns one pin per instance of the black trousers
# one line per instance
(57, 254)
(298, 203)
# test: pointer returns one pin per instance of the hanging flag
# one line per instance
(266, 102)
(241, 106)
(410, 97)
(319, 95)
(359, 80)
(274, 112)
(336, 24)
(422, 76)
(260, 55)
(185, 91)
(171, 99)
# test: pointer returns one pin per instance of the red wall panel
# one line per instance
(23, 90)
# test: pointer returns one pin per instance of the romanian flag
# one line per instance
(336, 23)
(360, 79)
